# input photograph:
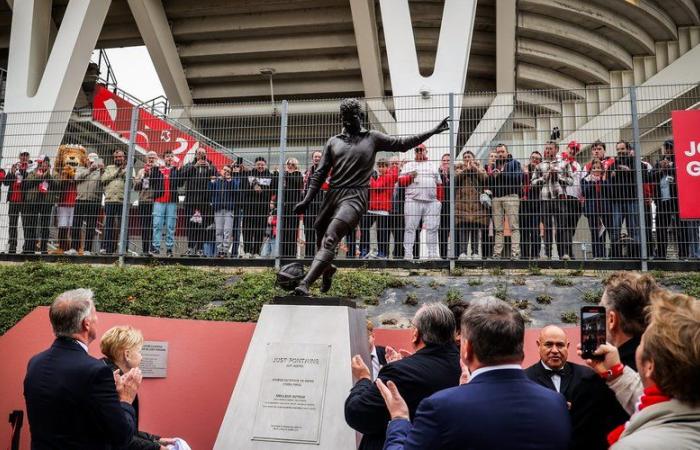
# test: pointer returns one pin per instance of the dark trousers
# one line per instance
(398, 228)
(85, 212)
(196, 235)
(467, 232)
(309, 236)
(530, 239)
(113, 214)
(570, 208)
(487, 241)
(254, 224)
(145, 213)
(15, 210)
(597, 238)
(444, 230)
(383, 224)
(351, 241)
(37, 227)
(290, 232)
(668, 221)
(552, 218)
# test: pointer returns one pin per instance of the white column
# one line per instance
(46, 83)
(414, 114)
(42, 85)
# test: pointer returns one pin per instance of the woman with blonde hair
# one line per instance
(121, 346)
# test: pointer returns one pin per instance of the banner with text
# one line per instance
(154, 133)
(686, 137)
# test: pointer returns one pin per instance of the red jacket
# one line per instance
(381, 190)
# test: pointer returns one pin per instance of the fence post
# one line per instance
(280, 184)
(638, 169)
(3, 123)
(124, 224)
(453, 155)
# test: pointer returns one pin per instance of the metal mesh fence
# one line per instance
(536, 175)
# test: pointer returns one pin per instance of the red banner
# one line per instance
(686, 138)
(153, 133)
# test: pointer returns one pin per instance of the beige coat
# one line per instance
(468, 187)
(113, 181)
(89, 184)
(666, 425)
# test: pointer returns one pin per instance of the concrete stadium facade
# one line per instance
(584, 53)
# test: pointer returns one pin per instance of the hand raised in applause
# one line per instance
(359, 368)
(394, 402)
(128, 384)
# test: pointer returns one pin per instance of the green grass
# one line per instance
(501, 292)
(534, 271)
(411, 299)
(592, 296)
(561, 281)
(474, 282)
(165, 291)
(569, 317)
(544, 299)
(497, 272)
(452, 296)
(689, 283)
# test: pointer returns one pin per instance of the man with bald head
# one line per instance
(592, 405)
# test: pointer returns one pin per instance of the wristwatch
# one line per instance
(612, 373)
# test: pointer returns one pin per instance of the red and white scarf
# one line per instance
(651, 396)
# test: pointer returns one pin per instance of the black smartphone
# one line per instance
(592, 330)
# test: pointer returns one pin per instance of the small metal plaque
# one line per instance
(292, 391)
(155, 359)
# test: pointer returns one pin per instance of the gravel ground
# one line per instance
(397, 305)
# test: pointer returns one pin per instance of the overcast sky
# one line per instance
(134, 71)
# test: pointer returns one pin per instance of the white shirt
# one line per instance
(556, 379)
(82, 344)
(375, 363)
(424, 185)
(481, 370)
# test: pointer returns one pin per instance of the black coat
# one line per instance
(196, 179)
(594, 409)
(141, 440)
(72, 402)
(429, 370)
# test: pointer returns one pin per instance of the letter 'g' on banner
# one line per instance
(686, 139)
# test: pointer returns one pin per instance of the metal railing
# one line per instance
(579, 181)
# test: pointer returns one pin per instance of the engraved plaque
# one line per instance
(155, 359)
(292, 390)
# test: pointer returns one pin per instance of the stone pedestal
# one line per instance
(296, 375)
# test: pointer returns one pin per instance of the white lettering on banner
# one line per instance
(693, 168)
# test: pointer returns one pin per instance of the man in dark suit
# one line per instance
(433, 367)
(498, 408)
(593, 407)
(74, 401)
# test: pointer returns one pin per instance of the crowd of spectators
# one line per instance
(555, 205)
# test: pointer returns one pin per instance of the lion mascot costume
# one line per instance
(68, 159)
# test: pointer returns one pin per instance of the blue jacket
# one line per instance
(72, 402)
(509, 181)
(597, 199)
(501, 409)
(225, 193)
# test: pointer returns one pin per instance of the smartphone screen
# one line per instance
(592, 330)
